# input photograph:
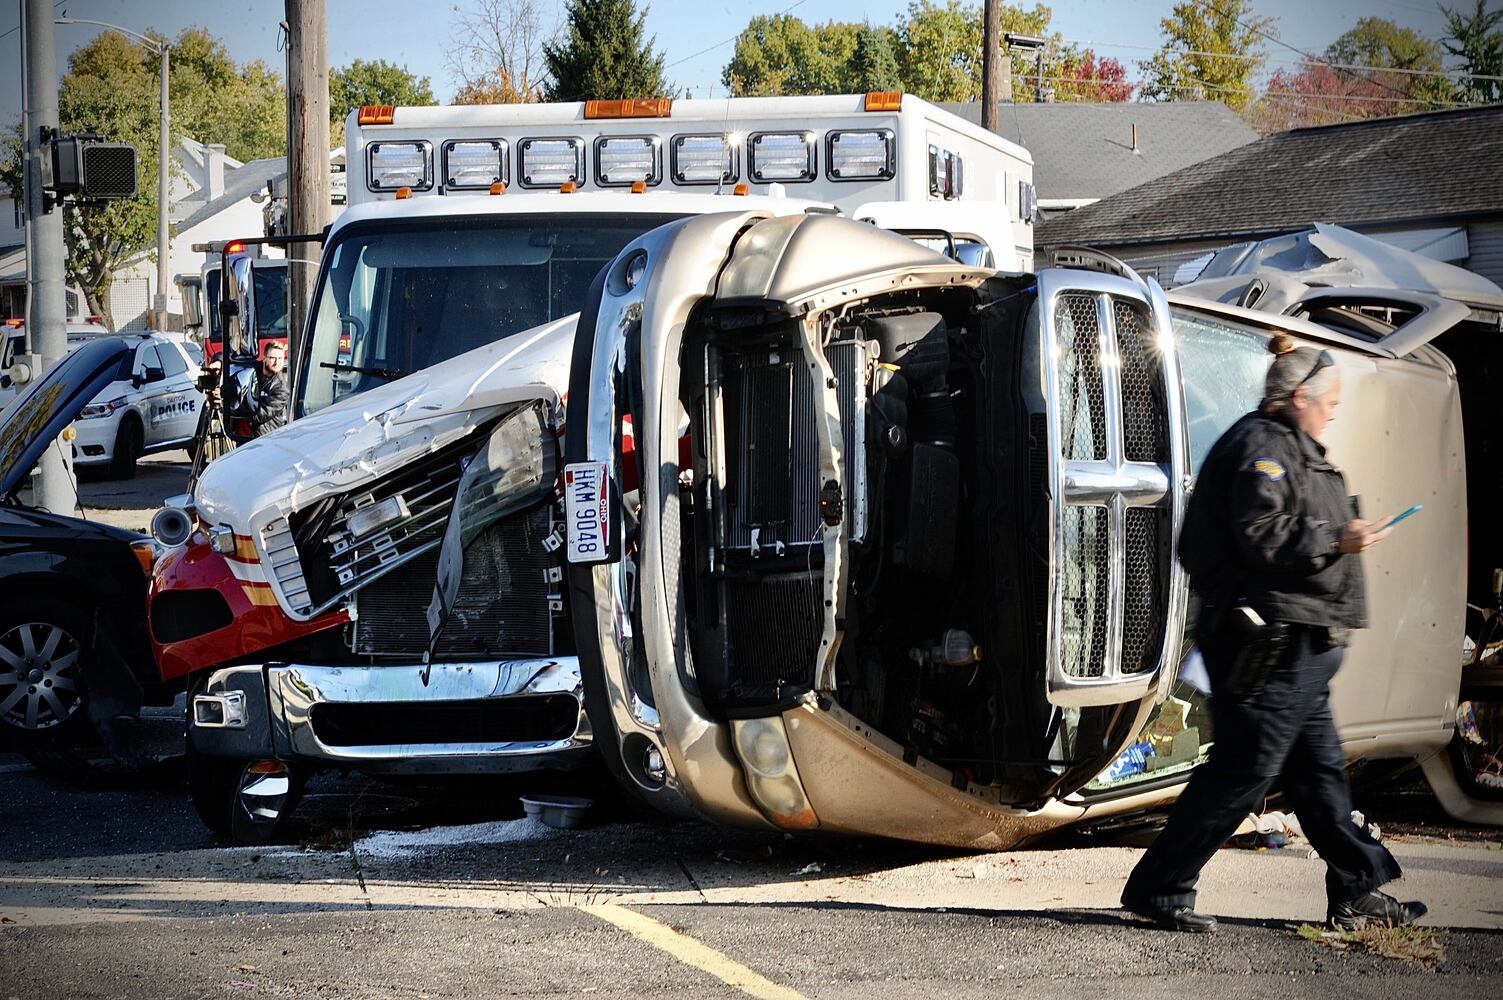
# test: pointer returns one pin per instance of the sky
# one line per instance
(695, 36)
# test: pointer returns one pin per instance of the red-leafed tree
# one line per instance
(1084, 76)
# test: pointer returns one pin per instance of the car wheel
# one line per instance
(247, 801)
(42, 688)
(129, 440)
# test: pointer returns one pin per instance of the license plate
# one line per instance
(587, 511)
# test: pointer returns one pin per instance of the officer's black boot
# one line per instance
(1376, 908)
(1172, 918)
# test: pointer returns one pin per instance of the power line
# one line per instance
(1196, 85)
(1279, 41)
(727, 41)
(7, 34)
(1448, 73)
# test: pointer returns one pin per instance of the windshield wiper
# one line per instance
(387, 373)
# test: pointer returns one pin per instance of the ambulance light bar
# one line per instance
(393, 165)
(654, 107)
(704, 159)
(866, 155)
(474, 164)
(782, 156)
(550, 162)
(622, 160)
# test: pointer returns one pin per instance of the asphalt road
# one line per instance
(113, 889)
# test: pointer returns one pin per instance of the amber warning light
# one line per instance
(377, 114)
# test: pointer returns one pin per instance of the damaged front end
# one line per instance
(392, 596)
(900, 559)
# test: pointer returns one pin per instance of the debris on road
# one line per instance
(1421, 946)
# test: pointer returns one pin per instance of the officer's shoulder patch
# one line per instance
(1268, 467)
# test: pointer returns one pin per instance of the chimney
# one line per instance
(214, 170)
(1134, 137)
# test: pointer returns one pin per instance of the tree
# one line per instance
(1356, 79)
(214, 99)
(779, 55)
(376, 82)
(1211, 51)
(603, 55)
(874, 60)
(941, 51)
(111, 88)
(1477, 40)
(496, 51)
(1083, 76)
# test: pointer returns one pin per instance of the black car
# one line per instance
(75, 661)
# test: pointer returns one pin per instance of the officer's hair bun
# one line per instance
(1282, 343)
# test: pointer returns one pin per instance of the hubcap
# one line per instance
(38, 676)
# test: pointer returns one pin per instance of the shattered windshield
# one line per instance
(396, 300)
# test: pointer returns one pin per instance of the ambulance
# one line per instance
(379, 585)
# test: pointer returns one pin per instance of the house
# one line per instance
(1083, 153)
(1428, 182)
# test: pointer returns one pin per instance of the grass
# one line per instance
(1421, 946)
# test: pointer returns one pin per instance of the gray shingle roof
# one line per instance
(239, 182)
(1085, 150)
(1442, 164)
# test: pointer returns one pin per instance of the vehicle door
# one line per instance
(148, 395)
(180, 399)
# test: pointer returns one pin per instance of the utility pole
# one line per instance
(46, 307)
(307, 154)
(991, 57)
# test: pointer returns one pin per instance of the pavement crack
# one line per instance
(690, 876)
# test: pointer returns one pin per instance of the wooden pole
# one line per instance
(307, 155)
(992, 57)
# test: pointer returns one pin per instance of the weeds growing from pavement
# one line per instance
(1422, 946)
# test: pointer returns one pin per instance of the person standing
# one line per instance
(267, 403)
(1272, 543)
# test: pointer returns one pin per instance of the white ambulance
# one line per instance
(431, 380)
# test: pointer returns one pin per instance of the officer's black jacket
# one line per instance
(1263, 523)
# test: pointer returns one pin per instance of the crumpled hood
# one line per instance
(366, 436)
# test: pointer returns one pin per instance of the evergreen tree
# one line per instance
(874, 64)
(603, 55)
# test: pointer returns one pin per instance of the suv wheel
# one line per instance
(41, 678)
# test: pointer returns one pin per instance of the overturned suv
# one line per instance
(862, 539)
(378, 587)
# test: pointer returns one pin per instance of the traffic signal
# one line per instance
(89, 169)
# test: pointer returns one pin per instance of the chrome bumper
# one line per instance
(269, 710)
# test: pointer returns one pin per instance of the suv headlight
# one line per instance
(101, 409)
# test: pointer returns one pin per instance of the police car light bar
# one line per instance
(394, 165)
(550, 162)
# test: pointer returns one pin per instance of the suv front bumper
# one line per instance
(464, 718)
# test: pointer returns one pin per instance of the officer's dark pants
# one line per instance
(1284, 732)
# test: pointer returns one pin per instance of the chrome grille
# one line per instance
(502, 608)
(774, 480)
(1118, 459)
(286, 566)
(1086, 598)
(1082, 397)
(1145, 418)
(1145, 594)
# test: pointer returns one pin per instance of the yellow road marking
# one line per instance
(692, 952)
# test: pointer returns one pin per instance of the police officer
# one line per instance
(1272, 543)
